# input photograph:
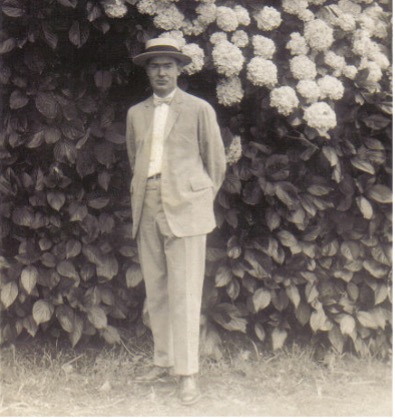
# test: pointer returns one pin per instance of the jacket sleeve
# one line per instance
(130, 140)
(211, 145)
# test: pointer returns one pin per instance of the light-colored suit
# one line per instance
(193, 165)
(171, 218)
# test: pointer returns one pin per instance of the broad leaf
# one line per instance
(18, 99)
(73, 248)
(111, 335)
(97, 317)
(7, 45)
(365, 207)
(380, 193)
(65, 316)
(29, 278)
(46, 105)
(78, 326)
(223, 276)
(66, 268)
(293, 294)
(336, 338)
(134, 276)
(56, 200)
(78, 33)
(362, 165)
(279, 336)
(347, 324)
(8, 294)
(367, 319)
(42, 311)
(259, 331)
(261, 299)
(13, 8)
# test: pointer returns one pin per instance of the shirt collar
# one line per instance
(170, 95)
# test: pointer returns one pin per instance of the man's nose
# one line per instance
(161, 71)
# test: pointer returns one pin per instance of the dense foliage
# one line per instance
(302, 91)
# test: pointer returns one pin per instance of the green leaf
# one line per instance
(42, 311)
(336, 338)
(18, 99)
(30, 325)
(272, 219)
(77, 211)
(365, 207)
(319, 321)
(13, 8)
(376, 121)
(376, 269)
(331, 155)
(229, 317)
(66, 268)
(279, 336)
(108, 268)
(111, 335)
(319, 190)
(362, 165)
(56, 200)
(223, 276)
(65, 316)
(380, 193)
(232, 184)
(261, 299)
(233, 289)
(293, 294)
(303, 313)
(134, 276)
(7, 45)
(103, 80)
(46, 105)
(78, 33)
(347, 324)
(97, 317)
(233, 247)
(367, 319)
(73, 248)
(29, 278)
(68, 3)
(259, 331)
(8, 294)
(350, 250)
(78, 326)
(381, 293)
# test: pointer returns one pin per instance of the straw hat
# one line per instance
(161, 47)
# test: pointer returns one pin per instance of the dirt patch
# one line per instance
(40, 379)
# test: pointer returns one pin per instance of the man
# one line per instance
(178, 164)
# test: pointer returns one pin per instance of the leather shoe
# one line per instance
(152, 374)
(189, 391)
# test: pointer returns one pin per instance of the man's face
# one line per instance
(163, 73)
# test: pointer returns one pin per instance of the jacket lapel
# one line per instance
(174, 112)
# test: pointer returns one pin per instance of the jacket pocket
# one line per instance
(200, 183)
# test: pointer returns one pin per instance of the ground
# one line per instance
(44, 379)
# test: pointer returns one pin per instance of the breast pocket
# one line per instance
(200, 183)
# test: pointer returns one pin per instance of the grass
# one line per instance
(39, 378)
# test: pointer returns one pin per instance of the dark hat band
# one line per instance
(163, 48)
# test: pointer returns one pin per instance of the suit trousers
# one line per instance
(173, 270)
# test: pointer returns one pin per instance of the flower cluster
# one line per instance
(229, 91)
(234, 152)
(310, 68)
(262, 72)
(197, 55)
(228, 59)
(284, 99)
(321, 117)
(268, 18)
(114, 8)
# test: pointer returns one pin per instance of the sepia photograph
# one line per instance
(196, 208)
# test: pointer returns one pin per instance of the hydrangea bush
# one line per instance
(302, 91)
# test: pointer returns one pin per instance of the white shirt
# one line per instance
(160, 117)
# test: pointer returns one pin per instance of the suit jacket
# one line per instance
(193, 165)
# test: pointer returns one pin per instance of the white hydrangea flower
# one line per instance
(197, 55)
(151, 7)
(175, 34)
(380, 59)
(227, 19)
(372, 20)
(317, 2)
(268, 18)
(169, 19)
(207, 13)
(321, 117)
(362, 44)
(297, 45)
(242, 15)
(240, 38)
(235, 151)
(293, 7)
(348, 6)
(228, 59)
(193, 28)
(309, 90)
(114, 8)
(284, 99)
(303, 68)
(350, 71)
(346, 22)
(306, 15)
(335, 61)
(263, 47)
(262, 72)
(375, 74)
(217, 37)
(330, 87)
(229, 91)
(318, 35)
